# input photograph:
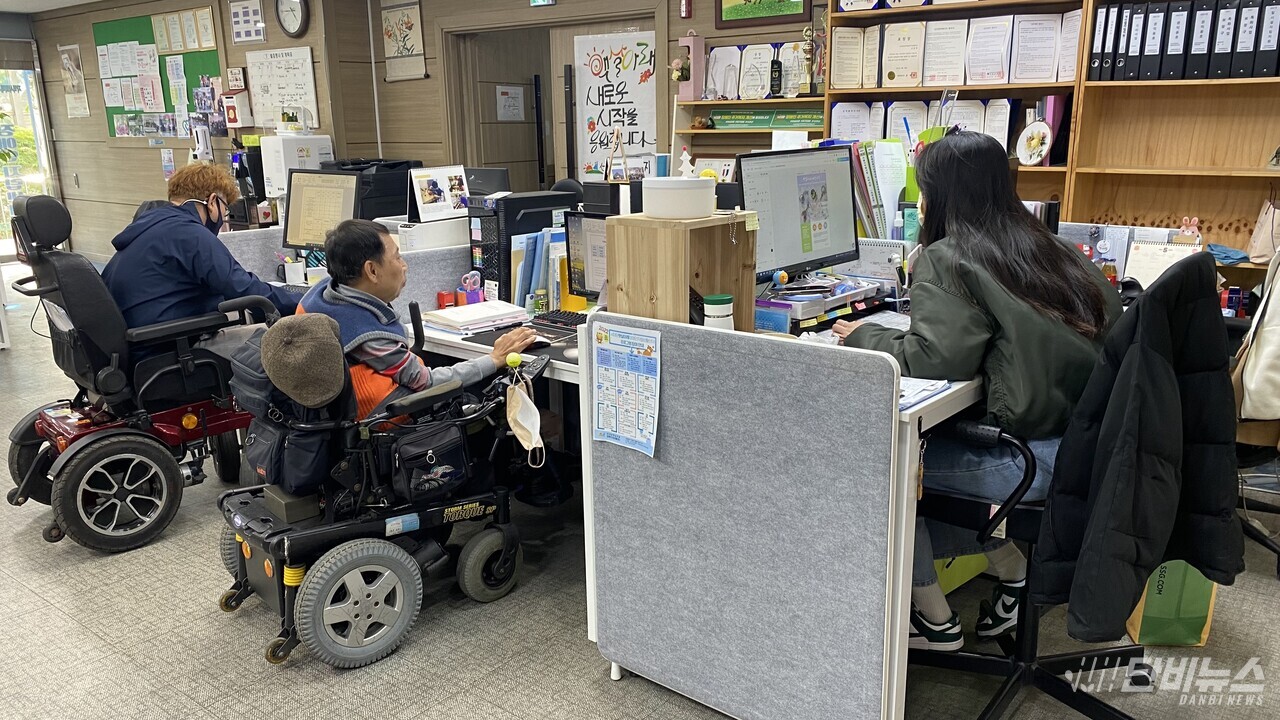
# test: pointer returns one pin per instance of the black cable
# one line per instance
(32, 324)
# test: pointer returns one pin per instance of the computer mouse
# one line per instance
(539, 342)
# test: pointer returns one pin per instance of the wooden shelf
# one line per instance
(1212, 172)
(1181, 83)
(744, 131)
(1060, 169)
(1244, 266)
(963, 9)
(769, 101)
(934, 92)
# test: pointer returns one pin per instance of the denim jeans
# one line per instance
(987, 474)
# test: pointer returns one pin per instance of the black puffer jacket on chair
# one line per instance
(1147, 469)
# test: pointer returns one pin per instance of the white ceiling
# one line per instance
(33, 6)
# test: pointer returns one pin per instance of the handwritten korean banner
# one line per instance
(615, 85)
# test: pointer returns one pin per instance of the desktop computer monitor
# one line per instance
(487, 181)
(585, 235)
(805, 201)
(317, 201)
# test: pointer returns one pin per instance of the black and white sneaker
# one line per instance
(1000, 616)
(946, 637)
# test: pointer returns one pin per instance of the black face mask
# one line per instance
(213, 227)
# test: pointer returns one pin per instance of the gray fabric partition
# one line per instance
(746, 564)
(430, 271)
(256, 250)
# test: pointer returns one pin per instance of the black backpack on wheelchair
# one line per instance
(149, 406)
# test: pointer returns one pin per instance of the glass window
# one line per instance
(24, 154)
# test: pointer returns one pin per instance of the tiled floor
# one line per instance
(139, 635)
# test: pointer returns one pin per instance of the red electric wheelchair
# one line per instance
(148, 409)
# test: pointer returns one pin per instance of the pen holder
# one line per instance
(295, 273)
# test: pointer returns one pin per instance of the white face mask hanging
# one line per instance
(526, 421)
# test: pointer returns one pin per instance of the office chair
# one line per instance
(1022, 666)
(569, 185)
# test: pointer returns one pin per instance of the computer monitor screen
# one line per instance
(585, 234)
(317, 201)
(805, 201)
(487, 181)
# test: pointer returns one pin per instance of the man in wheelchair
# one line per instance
(170, 265)
(358, 510)
(367, 274)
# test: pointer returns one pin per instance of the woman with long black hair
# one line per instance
(995, 294)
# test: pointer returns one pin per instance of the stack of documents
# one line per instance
(913, 391)
(881, 175)
(476, 317)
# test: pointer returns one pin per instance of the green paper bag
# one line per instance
(1176, 608)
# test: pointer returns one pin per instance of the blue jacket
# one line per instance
(359, 321)
(168, 266)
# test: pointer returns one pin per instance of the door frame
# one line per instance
(462, 143)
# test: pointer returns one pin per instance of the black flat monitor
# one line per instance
(487, 181)
(805, 201)
(317, 200)
(585, 243)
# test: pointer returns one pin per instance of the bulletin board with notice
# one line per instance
(161, 74)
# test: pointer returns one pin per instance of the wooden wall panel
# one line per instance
(115, 175)
(1227, 206)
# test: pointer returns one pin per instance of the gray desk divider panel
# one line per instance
(431, 271)
(746, 564)
(256, 250)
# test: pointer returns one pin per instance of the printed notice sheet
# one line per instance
(627, 368)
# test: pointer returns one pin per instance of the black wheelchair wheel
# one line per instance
(229, 550)
(21, 459)
(477, 575)
(118, 494)
(226, 457)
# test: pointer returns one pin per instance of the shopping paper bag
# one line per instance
(1176, 608)
(1266, 234)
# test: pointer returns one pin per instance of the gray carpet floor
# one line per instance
(139, 635)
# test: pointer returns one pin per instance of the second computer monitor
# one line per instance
(588, 269)
(487, 181)
(805, 202)
(317, 201)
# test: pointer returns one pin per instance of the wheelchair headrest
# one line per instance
(44, 221)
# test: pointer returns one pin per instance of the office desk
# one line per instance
(561, 369)
(911, 424)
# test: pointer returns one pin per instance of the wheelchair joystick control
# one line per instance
(514, 360)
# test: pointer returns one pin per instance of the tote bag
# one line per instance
(1258, 369)
(1266, 234)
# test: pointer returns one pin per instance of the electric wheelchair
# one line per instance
(343, 564)
(149, 407)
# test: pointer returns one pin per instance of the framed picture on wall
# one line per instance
(744, 13)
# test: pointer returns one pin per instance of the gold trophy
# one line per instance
(806, 77)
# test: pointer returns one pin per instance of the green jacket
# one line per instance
(964, 323)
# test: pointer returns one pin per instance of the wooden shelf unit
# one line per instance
(653, 263)
(727, 142)
(985, 8)
(814, 101)
(966, 91)
(1147, 155)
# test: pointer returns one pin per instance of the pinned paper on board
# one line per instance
(627, 368)
(510, 103)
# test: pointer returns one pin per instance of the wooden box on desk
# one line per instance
(652, 263)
